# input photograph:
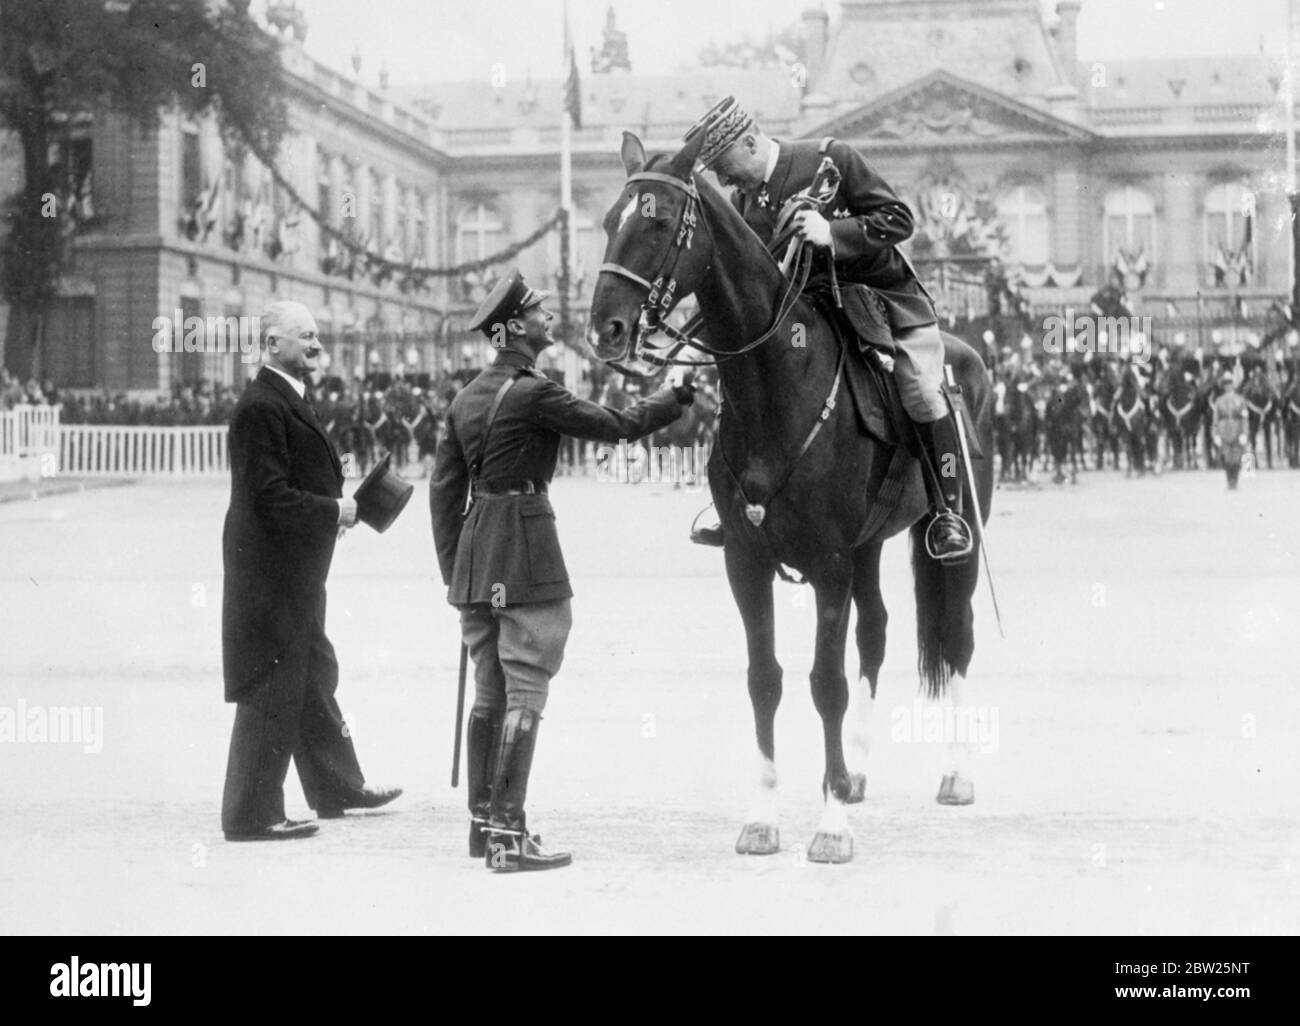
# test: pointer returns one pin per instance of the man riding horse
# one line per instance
(867, 221)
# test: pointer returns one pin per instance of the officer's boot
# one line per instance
(948, 537)
(510, 849)
(484, 737)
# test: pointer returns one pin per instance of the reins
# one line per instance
(661, 292)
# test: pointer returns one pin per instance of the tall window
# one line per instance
(479, 233)
(403, 232)
(189, 367)
(1229, 233)
(588, 250)
(419, 227)
(1130, 223)
(191, 165)
(1023, 211)
(375, 220)
(324, 195)
(350, 201)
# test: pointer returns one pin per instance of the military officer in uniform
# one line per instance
(500, 555)
(867, 222)
(1230, 427)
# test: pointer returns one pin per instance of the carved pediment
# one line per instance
(946, 109)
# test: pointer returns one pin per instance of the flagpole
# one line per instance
(566, 194)
(1288, 79)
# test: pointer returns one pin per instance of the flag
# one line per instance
(572, 85)
(1242, 265)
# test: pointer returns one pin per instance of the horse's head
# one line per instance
(656, 253)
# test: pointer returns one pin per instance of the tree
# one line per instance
(64, 59)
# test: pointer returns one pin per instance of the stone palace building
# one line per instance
(1164, 176)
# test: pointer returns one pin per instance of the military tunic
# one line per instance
(502, 562)
(506, 551)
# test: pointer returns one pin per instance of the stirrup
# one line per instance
(711, 536)
(948, 517)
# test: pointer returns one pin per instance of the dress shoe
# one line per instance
(289, 830)
(366, 798)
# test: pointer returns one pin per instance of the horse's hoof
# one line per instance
(759, 839)
(833, 848)
(956, 790)
(857, 788)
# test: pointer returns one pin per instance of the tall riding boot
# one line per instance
(484, 737)
(948, 537)
(510, 849)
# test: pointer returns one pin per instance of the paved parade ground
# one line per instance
(1139, 773)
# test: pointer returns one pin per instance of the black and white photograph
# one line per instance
(803, 467)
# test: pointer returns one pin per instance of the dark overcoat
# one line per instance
(867, 218)
(279, 532)
(506, 551)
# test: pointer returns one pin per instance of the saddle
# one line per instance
(876, 402)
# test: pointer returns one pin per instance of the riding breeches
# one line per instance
(918, 371)
(516, 651)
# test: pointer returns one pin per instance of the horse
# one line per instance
(1290, 404)
(1130, 421)
(1180, 408)
(354, 437)
(394, 431)
(1207, 390)
(1064, 427)
(425, 431)
(1017, 433)
(1104, 435)
(1261, 407)
(813, 509)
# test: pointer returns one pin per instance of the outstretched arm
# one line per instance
(560, 410)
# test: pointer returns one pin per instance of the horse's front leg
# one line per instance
(751, 586)
(833, 841)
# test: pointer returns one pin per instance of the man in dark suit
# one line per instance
(866, 222)
(286, 511)
(500, 555)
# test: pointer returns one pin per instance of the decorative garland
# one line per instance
(383, 268)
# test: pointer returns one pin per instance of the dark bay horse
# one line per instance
(1016, 430)
(1063, 425)
(804, 507)
(1104, 436)
(1180, 408)
(1129, 421)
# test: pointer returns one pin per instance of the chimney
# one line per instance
(1067, 39)
(816, 32)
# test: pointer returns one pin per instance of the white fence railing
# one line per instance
(29, 441)
(109, 450)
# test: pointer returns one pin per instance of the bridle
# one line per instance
(661, 295)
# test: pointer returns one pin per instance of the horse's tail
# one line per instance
(945, 628)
